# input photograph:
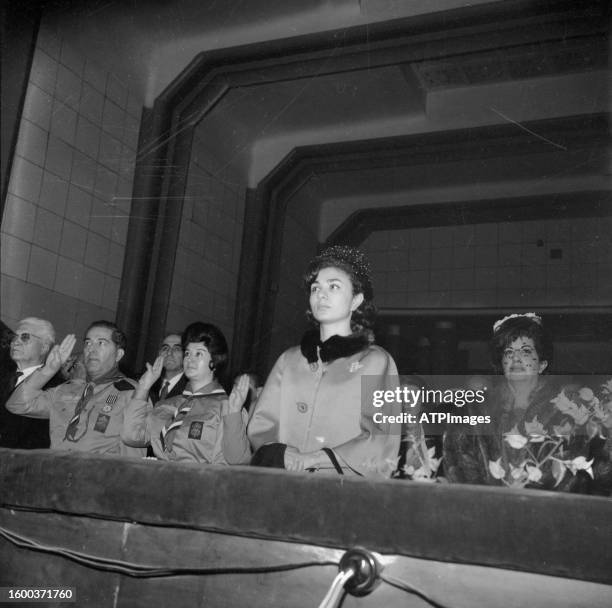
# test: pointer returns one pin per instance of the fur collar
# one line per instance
(333, 348)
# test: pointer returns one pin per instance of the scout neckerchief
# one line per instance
(110, 377)
(182, 410)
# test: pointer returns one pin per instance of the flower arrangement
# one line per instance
(539, 450)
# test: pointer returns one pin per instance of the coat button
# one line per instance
(302, 407)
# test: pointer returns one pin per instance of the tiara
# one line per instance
(528, 315)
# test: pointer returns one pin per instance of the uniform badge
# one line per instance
(302, 407)
(195, 430)
(355, 365)
(112, 399)
(101, 423)
(107, 408)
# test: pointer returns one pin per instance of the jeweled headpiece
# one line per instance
(345, 257)
(527, 315)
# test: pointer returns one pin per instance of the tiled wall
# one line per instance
(298, 247)
(564, 262)
(66, 213)
(208, 256)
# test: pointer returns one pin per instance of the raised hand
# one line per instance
(152, 373)
(58, 355)
(239, 393)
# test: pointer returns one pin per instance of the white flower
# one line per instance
(514, 439)
(580, 463)
(534, 474)
(586, 394)
(518, 473)
(496, 470)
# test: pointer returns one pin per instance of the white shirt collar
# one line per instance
(28, 371)
(173, 381)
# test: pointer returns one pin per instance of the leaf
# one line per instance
(563, 430)
(535, 427)
(563, 403)
(558, 471)
(593, 429)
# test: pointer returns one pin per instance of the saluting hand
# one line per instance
(239, 394)
(58, 355)
(152, 374)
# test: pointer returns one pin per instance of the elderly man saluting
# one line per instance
(30, 345)
(84, 414)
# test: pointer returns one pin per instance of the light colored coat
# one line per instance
(309, 407)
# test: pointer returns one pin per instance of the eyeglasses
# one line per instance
(24, 337)
(525, 352)
(166, 349)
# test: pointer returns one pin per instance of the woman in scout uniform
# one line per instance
(311, 414)
(202, 424)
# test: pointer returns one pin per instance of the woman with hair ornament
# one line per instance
(540, 435)
(310, 414)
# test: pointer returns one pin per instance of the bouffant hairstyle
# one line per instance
(213, 339)
(354, 263)
(520, 326)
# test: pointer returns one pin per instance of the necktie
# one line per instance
(164, 390)
(74, 421)
(18, 377)
(177, 421)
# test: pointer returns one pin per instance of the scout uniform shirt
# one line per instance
(97, 427)
(192, 427)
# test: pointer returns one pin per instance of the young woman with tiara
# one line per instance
(310, 414)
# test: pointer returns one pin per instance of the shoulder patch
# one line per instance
(123, 385)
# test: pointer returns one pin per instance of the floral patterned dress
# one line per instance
(556, 443)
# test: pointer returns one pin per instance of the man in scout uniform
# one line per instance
(85, 414)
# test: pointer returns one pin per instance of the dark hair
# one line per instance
(354, 263)
(117, 336)
(520, 327)
(213, 339)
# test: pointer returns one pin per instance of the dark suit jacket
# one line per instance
(21, 432)
(178, 388)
